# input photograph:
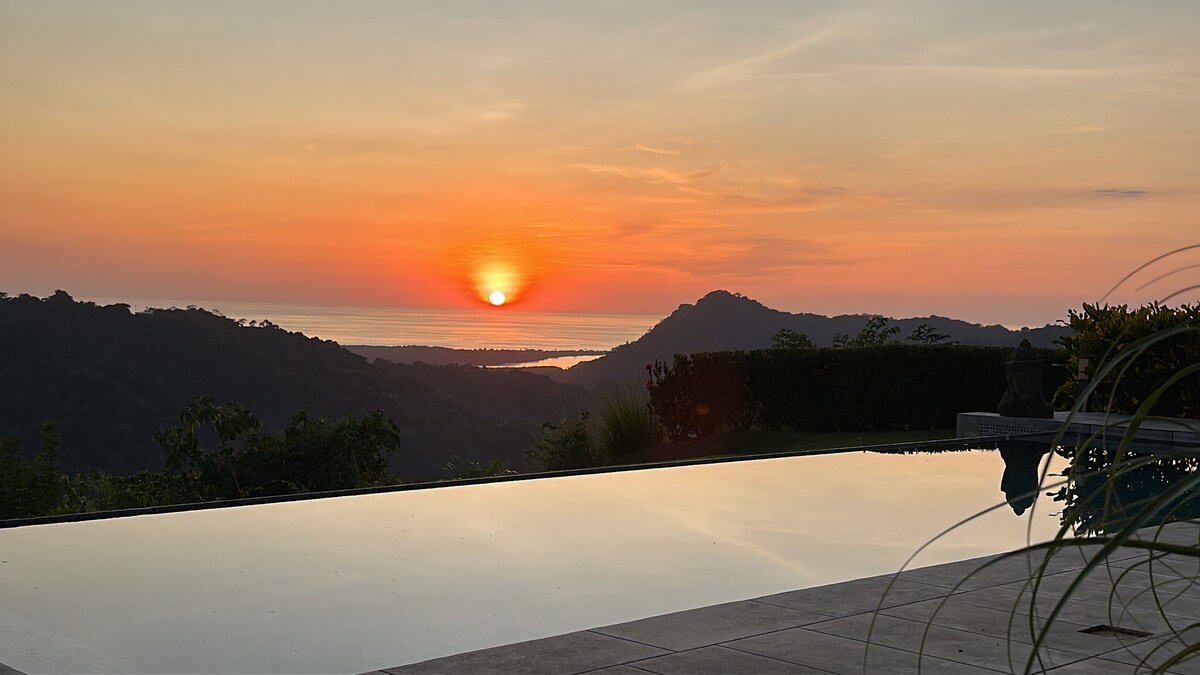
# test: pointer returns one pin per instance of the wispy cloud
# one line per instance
(747, 259)
(652, 150)
(766, 58)
(1120, 194)
(651, 174)
(969, 70)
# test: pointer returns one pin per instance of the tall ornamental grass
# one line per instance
(1137, 363)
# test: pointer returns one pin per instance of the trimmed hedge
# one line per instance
(1103, 333)
(887, 387)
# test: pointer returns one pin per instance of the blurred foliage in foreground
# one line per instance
(214, 453)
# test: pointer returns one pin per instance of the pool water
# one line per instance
(349, 584)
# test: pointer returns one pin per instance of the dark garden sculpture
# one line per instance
(1023, 398)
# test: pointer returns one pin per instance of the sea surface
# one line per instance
(483, 328)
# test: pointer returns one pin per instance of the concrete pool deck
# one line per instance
(958, 617)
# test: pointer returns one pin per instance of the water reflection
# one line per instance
(1021, 481)
(1107, 490)
(1101, 489)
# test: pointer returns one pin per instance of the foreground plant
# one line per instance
(1148, 363)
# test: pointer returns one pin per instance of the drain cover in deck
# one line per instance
(1116, 631)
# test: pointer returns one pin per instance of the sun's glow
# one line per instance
(497, 283)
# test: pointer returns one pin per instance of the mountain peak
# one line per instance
(724, 298)
(726, 321)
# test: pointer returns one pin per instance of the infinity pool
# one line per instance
(349, 584)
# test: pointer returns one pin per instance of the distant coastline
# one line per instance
(490, 358)
(465, 329)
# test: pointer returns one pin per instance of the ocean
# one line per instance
(460, 329)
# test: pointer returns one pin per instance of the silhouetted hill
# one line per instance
(111, 379)
(723, 321)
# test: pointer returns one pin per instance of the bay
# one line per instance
(484, 328)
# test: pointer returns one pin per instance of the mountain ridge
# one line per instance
(110, 379)
(725, 321)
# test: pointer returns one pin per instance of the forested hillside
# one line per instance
(110, 379)
(723, 321)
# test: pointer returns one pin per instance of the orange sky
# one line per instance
(999, 165)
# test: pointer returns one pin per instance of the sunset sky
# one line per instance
(997, 161)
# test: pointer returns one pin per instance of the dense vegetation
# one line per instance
(723, 321)
(1159, 341)
(1107, 488)
(216, 452)
(111, 379)
(621, 433)
(882, 387)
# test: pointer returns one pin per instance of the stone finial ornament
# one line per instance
(1023, 398)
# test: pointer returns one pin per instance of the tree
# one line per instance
(311, 454)
(30, 488)
(875, 333)
(790, 339)
(928, 335)
(216, 469)
(566, 445)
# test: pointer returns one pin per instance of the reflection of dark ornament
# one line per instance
(1023, 398)
(1020, 481)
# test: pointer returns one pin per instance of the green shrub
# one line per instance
(29, 487)
(625, 426)
(562, 446)
(878, 388)
(1103, 334)
(311, 455)
(790, 339)
(700, 394)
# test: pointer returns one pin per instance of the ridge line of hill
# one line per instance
(724, 321)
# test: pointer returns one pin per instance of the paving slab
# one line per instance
(1179, 533)
(1007, 568)
(854, 597)
(1006, 625)
(1075, 611)
(722, 661)
(983, 650)
(1097, 666)
(1160, 565)
(711, 625)
(578, 652)
(1154, 653)
(1175, 596)
(839, 654)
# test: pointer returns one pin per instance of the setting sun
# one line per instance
(497, 283)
